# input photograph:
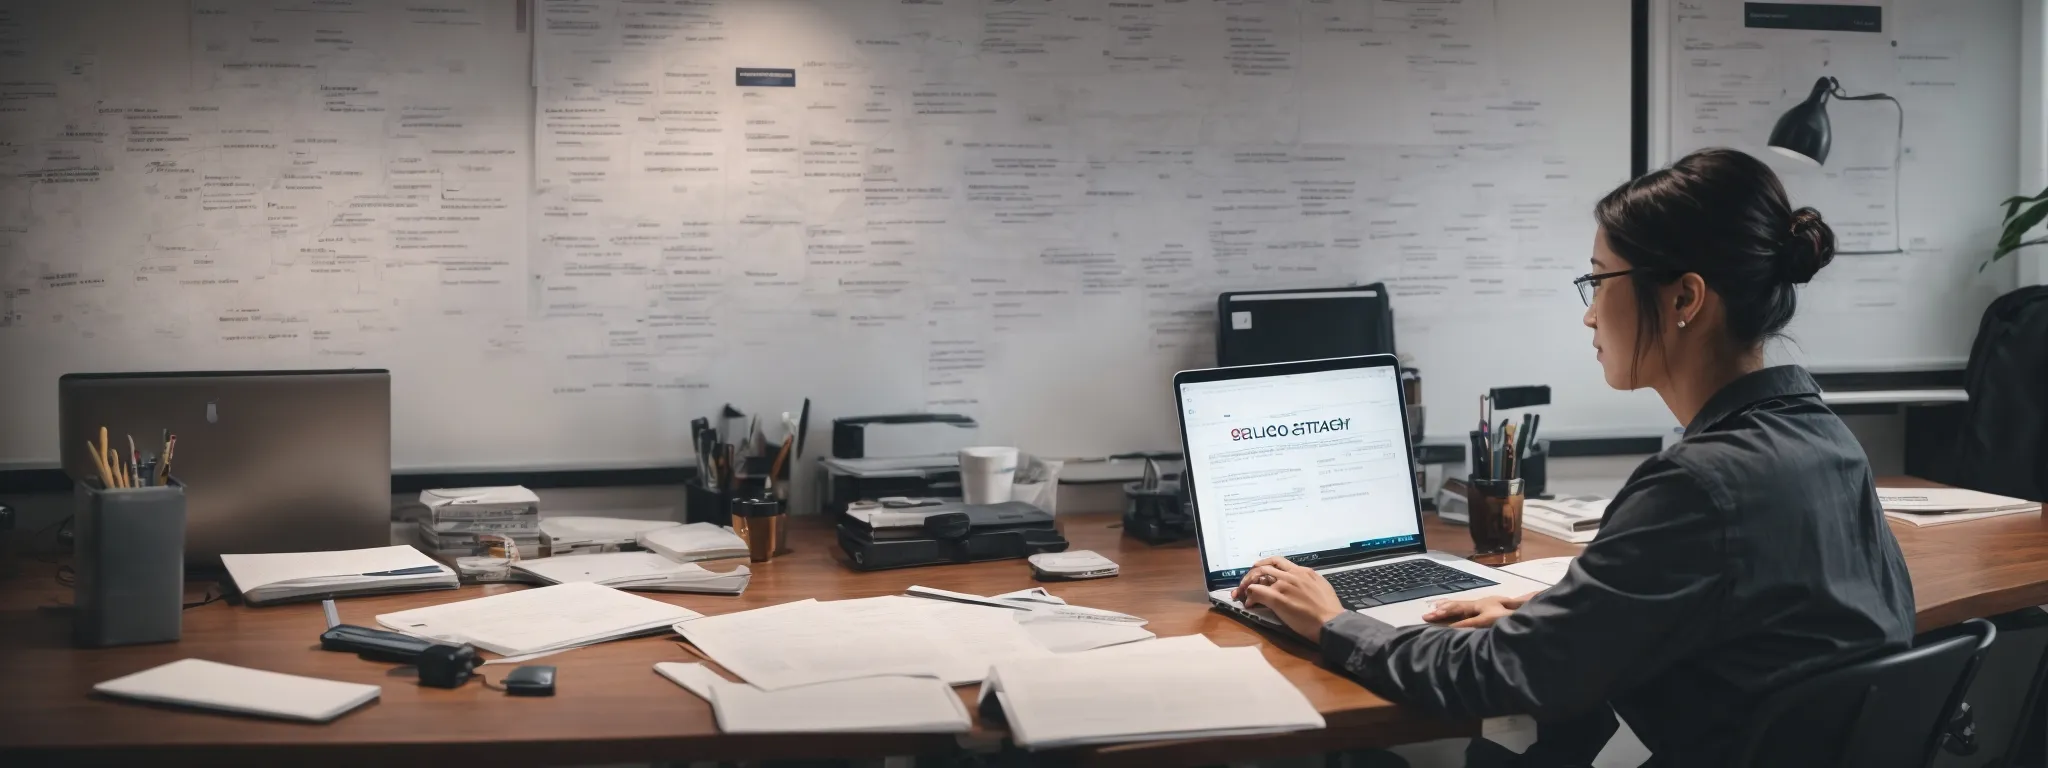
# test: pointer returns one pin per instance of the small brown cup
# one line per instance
(1496, 510)
(760, 523)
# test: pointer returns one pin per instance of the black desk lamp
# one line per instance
(1803, 134)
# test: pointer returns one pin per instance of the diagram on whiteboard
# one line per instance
(563, 228)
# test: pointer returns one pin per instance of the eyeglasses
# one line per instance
(1589, 285)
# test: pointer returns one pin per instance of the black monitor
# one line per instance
(1258, 327)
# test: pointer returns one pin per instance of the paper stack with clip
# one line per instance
(643, 571)
(462, 522)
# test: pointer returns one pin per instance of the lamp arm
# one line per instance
(1898, 165)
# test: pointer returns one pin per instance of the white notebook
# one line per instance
(269, 578)
(894, 704)
(541, 619)
(212, 685)
(646, 571)
(1141, 693)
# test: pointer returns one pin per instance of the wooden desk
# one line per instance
(612, 707)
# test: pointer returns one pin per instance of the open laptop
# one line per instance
(1310, 460)
(271, 461)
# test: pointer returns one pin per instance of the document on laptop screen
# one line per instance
(1299, 464)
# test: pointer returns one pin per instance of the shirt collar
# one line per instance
(1767, 384)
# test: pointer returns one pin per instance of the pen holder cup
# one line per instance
(763, 524)
(1496, 512)
(130, 564)
(703, 505)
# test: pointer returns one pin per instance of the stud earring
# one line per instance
(1681, 323)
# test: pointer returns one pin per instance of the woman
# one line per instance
(1750, 555)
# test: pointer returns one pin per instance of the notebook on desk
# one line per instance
(211, 685)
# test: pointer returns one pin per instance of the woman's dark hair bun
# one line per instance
(1809, 246)
(1722, 215)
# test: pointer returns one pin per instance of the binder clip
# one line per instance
(1157, 510)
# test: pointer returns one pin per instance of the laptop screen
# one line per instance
(1313, 466)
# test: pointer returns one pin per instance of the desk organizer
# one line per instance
(130, 559)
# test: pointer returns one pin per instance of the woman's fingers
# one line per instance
(1451, 609)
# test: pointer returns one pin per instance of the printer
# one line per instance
(904, 534)
(902, 454)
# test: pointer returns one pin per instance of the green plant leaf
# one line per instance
(2012, 204)
(2017, 226)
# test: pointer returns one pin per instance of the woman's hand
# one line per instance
(1299, 596)
(1472, 614)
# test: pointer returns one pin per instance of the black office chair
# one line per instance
(1889, 712)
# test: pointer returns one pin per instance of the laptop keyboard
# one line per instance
(1399, 582)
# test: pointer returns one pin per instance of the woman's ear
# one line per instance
(1689, 294)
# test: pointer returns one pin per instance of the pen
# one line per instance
(1522, 447)
(781, 456)
(1514, 466)
(1500, 451)
(803, 425)
(413, 571)
(135, 463)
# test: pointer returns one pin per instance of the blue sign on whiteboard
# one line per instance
(764, 77)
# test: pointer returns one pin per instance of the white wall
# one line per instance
(2033, 98)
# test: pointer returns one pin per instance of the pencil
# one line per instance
(163, 467)
(99, 461)
(781, 456)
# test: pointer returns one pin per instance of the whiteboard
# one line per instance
(1954, 67)
(567, 235)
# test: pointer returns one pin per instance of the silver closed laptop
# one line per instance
(271, 461)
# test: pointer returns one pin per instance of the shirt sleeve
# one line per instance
(1641, 596)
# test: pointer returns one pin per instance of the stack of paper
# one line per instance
(635, 570)
(693, 542)
(572, 535)
(1941, 506)
(539, 620)
(289, 576)
(809, 642)
(1055, 625)
(1167, 689)
(212, 685)
(1575, 519)
(893, 704)
(462, 522)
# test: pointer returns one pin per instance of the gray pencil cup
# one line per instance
(130, 559)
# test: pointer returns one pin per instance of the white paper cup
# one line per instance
(986, 474)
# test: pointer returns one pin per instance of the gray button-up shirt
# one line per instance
(1750, 555)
